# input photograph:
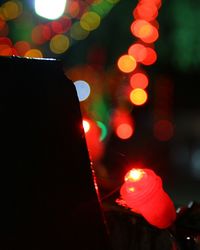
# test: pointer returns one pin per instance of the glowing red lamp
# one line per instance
(143, 193)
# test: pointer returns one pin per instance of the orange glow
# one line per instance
(73, 9)
(150, 36)
(6, 50)
(141, 28)
(126, 63)
(144, 31)
(34, 53)
(134, 175)
(139, 80)
(124, 131)
(138, 51)
(151, 57)
(138, 96)
(163, 130)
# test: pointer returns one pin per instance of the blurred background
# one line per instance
(135, 66)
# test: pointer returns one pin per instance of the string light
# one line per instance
(142, 193)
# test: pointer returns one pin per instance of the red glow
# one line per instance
(124, 131)
(40, 34)
(139, 80)
(147, 11)
(5, 41)
(152, 36)
(61, 26)
(138, 51)
(22, 47)
(144, 194)
(123, 124)
(121, 116)
(156, 2)
(92, 135)
(151, 57)
(4, 30)
(2, 23)
(141, 28)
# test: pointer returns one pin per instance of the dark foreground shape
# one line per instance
(47, 192)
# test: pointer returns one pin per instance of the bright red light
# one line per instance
(143, 193)
(139, 80)
(147, 11)
(124, 131)
(151, 57)
(138, 51)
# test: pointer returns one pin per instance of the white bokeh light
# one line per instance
(50, 9)
(82, 89)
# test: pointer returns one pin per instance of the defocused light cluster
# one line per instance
(23, 33)
(141, 53)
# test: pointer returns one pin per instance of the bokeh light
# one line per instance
(50, 9)
(151, 56)
(139, 80)
(146, 10)
(59, 44)
(124, 131)
(90, 21)
(137, 51)
(11, 9)
(40, 34)
(62, 25)
(73, 9)
(77, 32)
(35, 53)
(22, 47)
(82, 89)
(138, 96)
(126, 63)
